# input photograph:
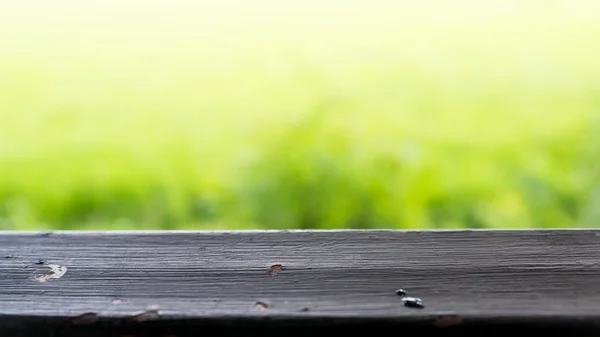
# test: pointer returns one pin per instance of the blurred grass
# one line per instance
(279, 114)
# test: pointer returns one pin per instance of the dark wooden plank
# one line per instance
(179, 283)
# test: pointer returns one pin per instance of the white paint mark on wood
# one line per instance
(55, 272)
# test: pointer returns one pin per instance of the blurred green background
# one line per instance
(299, 114)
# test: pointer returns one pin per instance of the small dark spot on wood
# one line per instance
(146, 316)
(276, 269)
(305, 309)
(261, 305)
(413, 302)
(400, 292)
(86, 318)
(40, 262)
(447, 320)
(9, 257)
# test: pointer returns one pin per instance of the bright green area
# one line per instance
(299, 114)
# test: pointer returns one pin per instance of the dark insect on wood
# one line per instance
(400, 292)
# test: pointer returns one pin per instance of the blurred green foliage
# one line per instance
(269, 114)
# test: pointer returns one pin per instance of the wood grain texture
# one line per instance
(184, 283)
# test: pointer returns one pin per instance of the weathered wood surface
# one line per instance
(195, 283)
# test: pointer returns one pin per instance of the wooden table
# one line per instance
(182, 283)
